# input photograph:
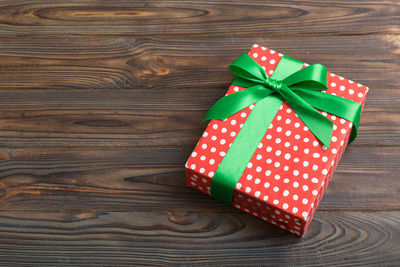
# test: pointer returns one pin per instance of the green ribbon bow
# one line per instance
(299, 87)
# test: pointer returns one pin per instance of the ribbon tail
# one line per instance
(318, 124)
(336, 105)
(233, 103)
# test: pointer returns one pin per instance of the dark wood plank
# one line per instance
(154, 180)
(222, 18)
(163, 63)
(204, 238)
(143, 118)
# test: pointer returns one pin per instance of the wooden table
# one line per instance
(101, 103)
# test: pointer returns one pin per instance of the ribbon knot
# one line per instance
(274, 84)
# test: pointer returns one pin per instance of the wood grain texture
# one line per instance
(101, 103)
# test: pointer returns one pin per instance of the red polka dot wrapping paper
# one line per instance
(290, 170)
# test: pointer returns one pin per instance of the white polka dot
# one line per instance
(265, 198)
(305, 140)
(297, 136)
(222, 154)
(286, 180)
(295, 172)
(222, 142)
(248, 189)
(255, 45)
(279, 118)
(251, 106)
(271, 52)
(334, 151)
(257, 181)
(306, 151)
(277, 177)
(278, 153)
(287, 144)
(285, 193)
(333, 84)
(259, 156)
(297, 125)
(295, 184)
(314, 180)
(238, 185)
(266, 185)
(289, 110)
(272, 61)
(255, 55)
(286, 168)
(204, 146)
(224, 130)
(279, 129)
(249, 177)
(263, 58)
(324, 113)
(213, 138)
(295, 148)
(258, 169)
(203, 158)
(334, 138)
(360, 95)
(305, 175)
(343, 131)
(315, 192)
(305, 163)
(287, 156)
(270, 72)
(333, 117)
(215, 126)
(316, 155)
(315, 167)
(285, 205)
(287, 121)
(305, 201)
(257, 193)
(324, 171)
(193, 166)
(276, 189)
(295, 210)
(269, 137)
(233, 122)
(324, 159)
(202, 170)
(260, 145)
(194, 154)
(342, 88)
(277, 140)
(351, 91)
(304, 214)
(236, 89)
(276, 202)
(295, 197)
(315, 143)
(268, 173)
(305, 187)
(211, 174)
(205, 134)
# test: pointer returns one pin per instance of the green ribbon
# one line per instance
(299, 87)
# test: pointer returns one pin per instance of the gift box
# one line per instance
(290, 169)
